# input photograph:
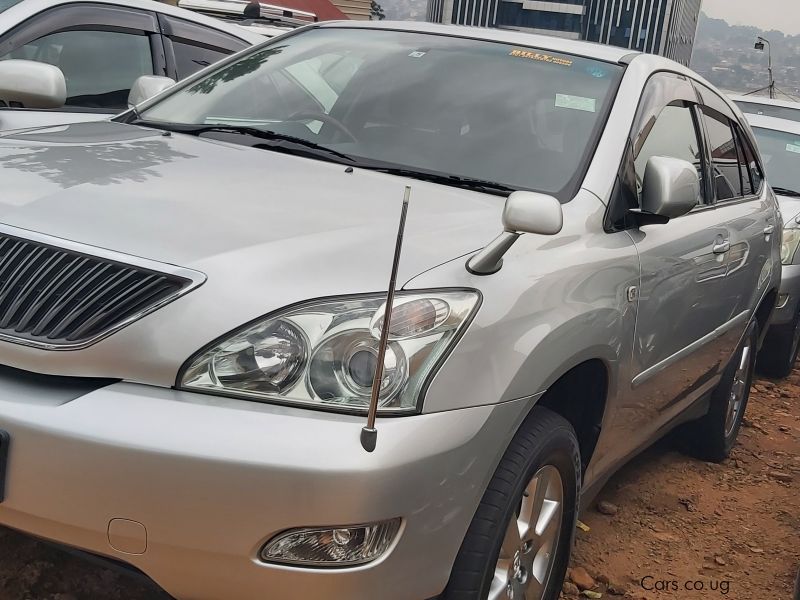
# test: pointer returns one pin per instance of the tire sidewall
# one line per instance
(730, 439)
(557, 447)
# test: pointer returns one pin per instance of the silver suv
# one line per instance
(193, 303)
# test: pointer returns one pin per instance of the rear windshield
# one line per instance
(525, 118)
(782, 112)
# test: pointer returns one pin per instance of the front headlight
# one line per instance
(789, 243)
(324, 353)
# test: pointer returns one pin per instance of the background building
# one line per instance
(666, 27)
(553, 17)
(353, 9)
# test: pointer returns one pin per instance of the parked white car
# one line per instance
(101, 49)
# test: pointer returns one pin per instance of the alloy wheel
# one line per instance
(738, 390)
(530, 544)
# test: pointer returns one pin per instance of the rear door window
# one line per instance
(748, 187)
(753, 166)
(725, 167)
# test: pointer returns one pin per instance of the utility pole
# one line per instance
(760, 46)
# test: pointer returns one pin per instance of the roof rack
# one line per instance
(252, 11)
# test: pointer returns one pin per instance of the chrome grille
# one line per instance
(54, 297)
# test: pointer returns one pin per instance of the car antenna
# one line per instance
(369, 435)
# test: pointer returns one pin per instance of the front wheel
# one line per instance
(518, 544)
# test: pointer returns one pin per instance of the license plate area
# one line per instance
(4, 441)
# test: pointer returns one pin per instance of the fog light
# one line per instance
(783, 300)
(331, 546)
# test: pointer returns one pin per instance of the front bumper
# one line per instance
(211, 479)
(788, 296)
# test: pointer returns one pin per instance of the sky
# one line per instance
(783, 15)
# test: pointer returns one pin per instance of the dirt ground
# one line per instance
(689, 530)
(681, 529)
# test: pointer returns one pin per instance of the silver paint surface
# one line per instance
(213, 478)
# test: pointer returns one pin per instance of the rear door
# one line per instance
(743, 207)
(101, 50)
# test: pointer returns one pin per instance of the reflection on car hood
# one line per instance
(212, 206)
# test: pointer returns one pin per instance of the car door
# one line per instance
(190, 47)
(683, 267)
(742, 206)
(101, 49)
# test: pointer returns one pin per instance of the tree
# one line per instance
(376, 12)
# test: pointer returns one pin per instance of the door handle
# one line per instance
(722, 247)
(769, 229)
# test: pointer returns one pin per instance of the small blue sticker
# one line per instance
(596, 71)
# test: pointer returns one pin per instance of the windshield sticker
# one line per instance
(417, 54)
(596, 72)
(793, 148)
(555, 60)
(576, 103)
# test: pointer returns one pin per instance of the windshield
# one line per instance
(523, 118)
(781, 154)
(769, 110)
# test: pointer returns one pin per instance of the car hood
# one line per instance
(267, 229)
(187, 201)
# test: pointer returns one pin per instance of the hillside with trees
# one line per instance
(724, 54)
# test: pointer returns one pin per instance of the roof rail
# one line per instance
(250, 10)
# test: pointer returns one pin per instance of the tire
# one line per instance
(543, 456)
(779, 352)
(712, 437)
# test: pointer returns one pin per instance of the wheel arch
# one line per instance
(580, 394)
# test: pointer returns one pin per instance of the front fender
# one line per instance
(557, 302)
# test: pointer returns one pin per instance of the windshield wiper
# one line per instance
(262, 134)
(786, 192)
(468, 183)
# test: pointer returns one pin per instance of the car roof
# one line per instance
(25, 9)
(774, 123)
(556, 44)
(763, 100)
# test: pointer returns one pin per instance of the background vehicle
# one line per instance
(779, 140)
(758, 105)
(590, 256)
(265, 19)
(103, 47)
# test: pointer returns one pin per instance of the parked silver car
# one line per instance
(779, 140)
(192, 298)
(98, 50)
